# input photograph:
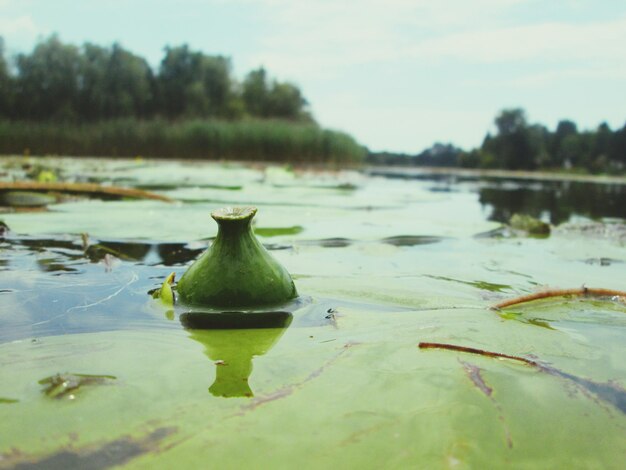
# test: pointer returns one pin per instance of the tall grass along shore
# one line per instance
(249, 139)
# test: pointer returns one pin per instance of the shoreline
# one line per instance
(471, 173)
(369, 170)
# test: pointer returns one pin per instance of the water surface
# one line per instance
(381, 264)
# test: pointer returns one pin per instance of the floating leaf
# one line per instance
(529, 224)
(67, 385)
(278, 231)
(166, 294)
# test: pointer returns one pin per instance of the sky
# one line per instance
(399, 75)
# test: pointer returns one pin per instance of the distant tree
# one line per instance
(558, 155)
(48, 81)
(6, 84)
(216, 77)
(566, 127)
(93, 97)
(539, 137)
(617, 148)
(446, 155)
(487, 153)
(572, 150)
(176, 79)
(470, 159)
(273, 100)
(129, 84)
(59, 81)
(194, 84)
(513, 144)
(255, 92)
(115, 83)
(285, 101)
(601, 141)
(511, 122)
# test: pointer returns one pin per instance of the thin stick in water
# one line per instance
(579, 292)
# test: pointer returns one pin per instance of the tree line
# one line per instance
(91, 100)
(520, 145)
(91, 83)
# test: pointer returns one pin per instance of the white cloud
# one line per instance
(320, 39)
(547, 41)
(20, 25)
(615, 71)
(19, 33)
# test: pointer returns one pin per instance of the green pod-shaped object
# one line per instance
(236, 271)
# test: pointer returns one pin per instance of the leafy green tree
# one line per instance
(175, 76)
(470, 159)
(558, 155)
(255, 92)
(216, 78)
(565, 127)
(617, 148)
(194, 84)
(115, 83)
(572, 150)
(273, 100)
(513, 144)
(601, 140)
(6, 84)
(48, 81)
(539, 137)
(285, 101)
(129, 84)
(93, 99)
(511, 122)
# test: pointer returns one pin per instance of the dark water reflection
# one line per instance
(556, 202)
(552, 201)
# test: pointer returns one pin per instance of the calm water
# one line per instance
(555, 202)
(54, 280)
(381, 265)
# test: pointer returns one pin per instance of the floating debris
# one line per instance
(529, 224)
(277, 231)
(166, 293)
(87, 189)
(610, 392)
(592, 292)
(9, 401)
(26, 199)
(67, 385)
(4, 229)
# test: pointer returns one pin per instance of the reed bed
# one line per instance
(255, 140)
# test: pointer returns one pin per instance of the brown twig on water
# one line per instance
(481, 352)
(544, 294)
(93, 189)
(610, 392)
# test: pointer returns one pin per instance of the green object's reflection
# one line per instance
(232, 351)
